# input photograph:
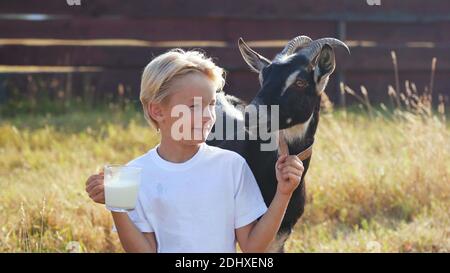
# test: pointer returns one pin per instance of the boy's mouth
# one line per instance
(202, 128)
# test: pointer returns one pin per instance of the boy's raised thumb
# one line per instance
(281, 159)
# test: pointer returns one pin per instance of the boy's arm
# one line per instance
(131, 238)
(257, 236)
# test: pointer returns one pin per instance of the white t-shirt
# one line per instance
(195, 206)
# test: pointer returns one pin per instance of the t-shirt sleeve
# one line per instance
(249, 203)
(137, 216)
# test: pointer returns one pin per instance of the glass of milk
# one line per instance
(121, 187)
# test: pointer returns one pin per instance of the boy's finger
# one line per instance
(95, 193)
(294, 160)
(91, 184)
(297, 166)
(282, 158)
(97, 183)
(97, 189)
(99, 198)
(295, 163)
(93, 190)
(294, 178)
(90, 179)
(280, 166)
(290, 169)
(94, 183)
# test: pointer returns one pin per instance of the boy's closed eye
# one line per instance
(213, 103)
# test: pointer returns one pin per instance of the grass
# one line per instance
(43, 206)
(375, 184)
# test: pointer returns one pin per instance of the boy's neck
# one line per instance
(174, 151)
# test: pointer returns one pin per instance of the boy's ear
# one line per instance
(155, 111)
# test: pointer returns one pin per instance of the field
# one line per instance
(378, 181)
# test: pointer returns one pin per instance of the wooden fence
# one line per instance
(102, 46)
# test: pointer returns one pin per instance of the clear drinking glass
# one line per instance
(121, 187)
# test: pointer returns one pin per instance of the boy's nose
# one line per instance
(208, 115)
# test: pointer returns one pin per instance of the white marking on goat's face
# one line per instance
(289, 81)
(297, 132)
(288, 120)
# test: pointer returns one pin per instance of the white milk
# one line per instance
(121, 193)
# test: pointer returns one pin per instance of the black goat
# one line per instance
(293, 81)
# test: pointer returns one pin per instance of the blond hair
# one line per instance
(162, 71)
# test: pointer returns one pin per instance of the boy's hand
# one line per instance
(95, 187)
(289, 170)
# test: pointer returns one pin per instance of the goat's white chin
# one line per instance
(297, 132)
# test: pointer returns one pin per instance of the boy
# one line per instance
(194, 197)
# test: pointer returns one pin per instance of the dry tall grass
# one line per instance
(380, 181)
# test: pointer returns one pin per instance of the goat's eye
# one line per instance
(301, 83)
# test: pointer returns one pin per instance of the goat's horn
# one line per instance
(315, 47)
(294, 44)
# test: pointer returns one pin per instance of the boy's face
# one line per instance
(189, 112)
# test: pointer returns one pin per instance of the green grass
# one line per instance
(375, 184)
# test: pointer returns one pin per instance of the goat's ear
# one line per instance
(253, 59)
(325, 65)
